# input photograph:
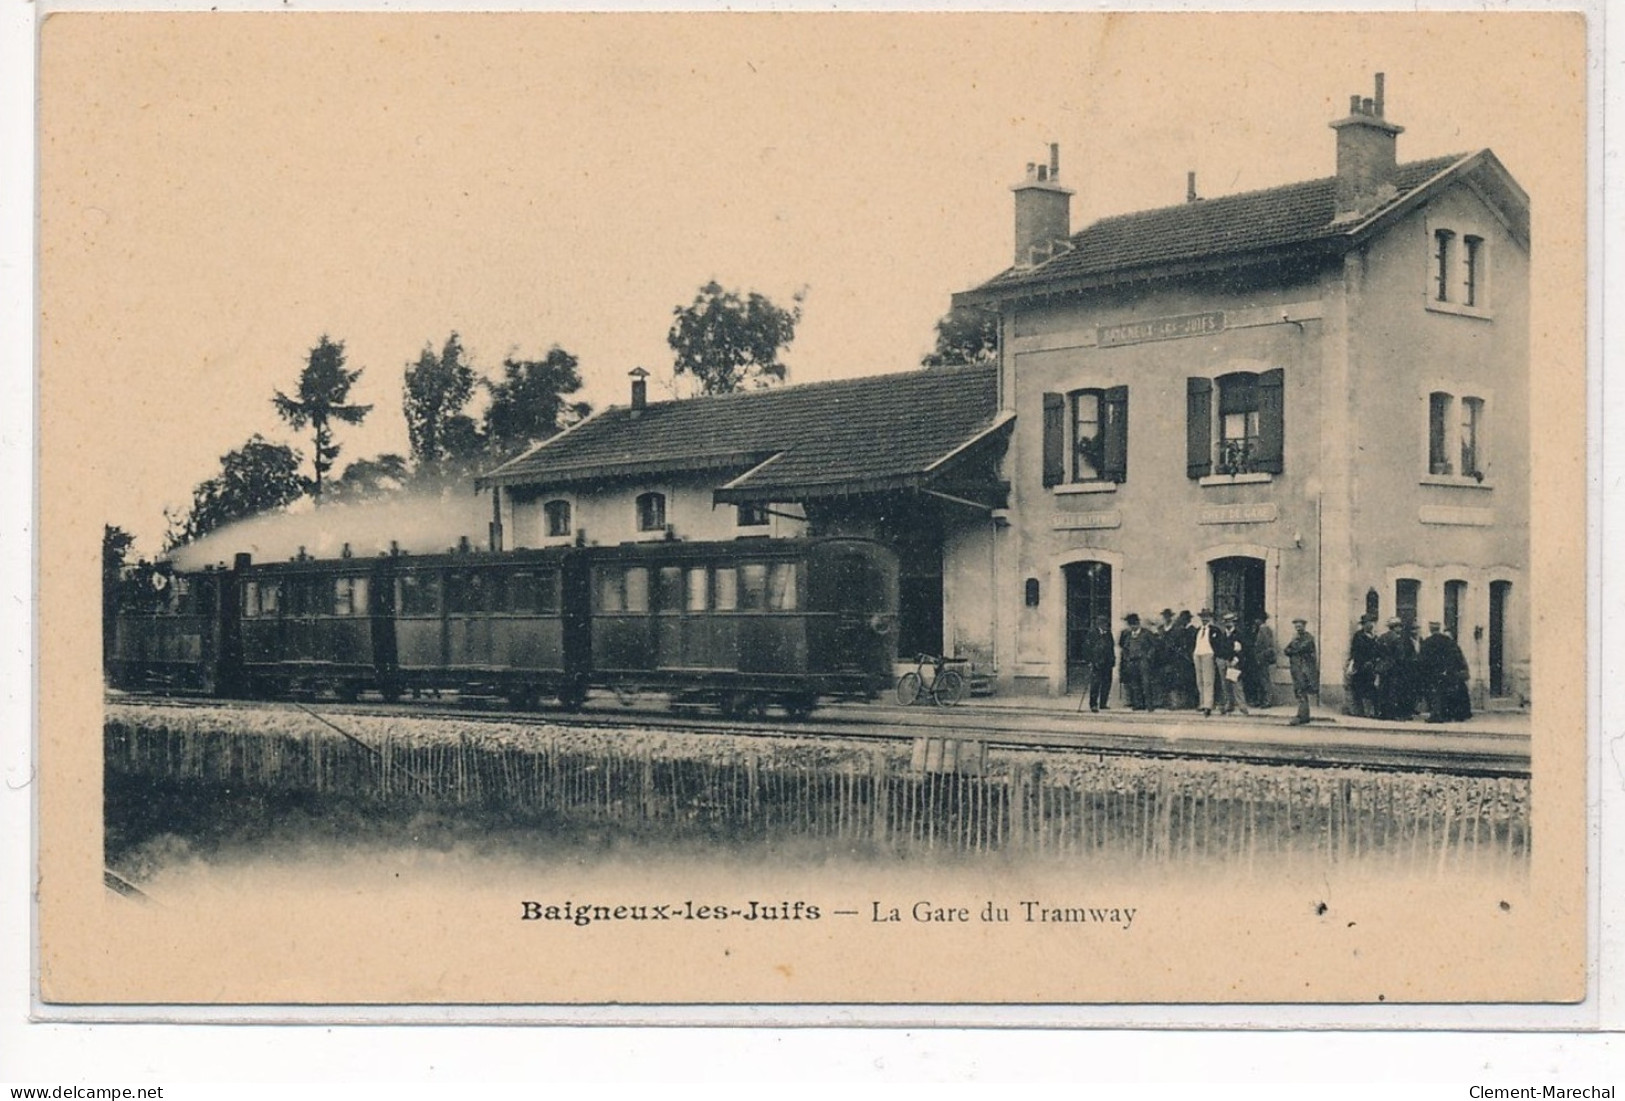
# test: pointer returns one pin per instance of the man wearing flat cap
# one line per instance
(1365, 653)
(1300, 653)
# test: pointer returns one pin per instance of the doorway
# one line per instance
(1088, 595)
(1238, 586)
(1499, 592)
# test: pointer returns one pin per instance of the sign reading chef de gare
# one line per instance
(1160, 328)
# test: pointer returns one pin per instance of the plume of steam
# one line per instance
(421, 521)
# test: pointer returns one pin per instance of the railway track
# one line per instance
(1459, 753)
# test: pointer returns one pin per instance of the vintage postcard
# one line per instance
(717, 509)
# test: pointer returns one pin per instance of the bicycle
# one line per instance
(946, 687)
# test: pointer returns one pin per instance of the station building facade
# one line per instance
(1309, 400)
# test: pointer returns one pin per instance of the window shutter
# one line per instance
(1054, 439)
(1271, 424)
(1198, 427)
(1114, 431)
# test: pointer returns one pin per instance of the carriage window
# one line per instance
(781, 587)
(494, 597)
(697, 577)
(727, 589)
(637, 589)
(611, 589)
(668, 589)
(350, 596)
(418, 594)
(753, 586)
(251, 599)
(467, 592)
(547, 593)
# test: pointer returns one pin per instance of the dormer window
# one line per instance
(751, 516)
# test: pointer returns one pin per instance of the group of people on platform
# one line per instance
(1394, 675)
(1183, 663)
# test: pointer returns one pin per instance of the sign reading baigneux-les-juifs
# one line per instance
(1160, 328)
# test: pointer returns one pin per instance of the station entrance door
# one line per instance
(1088, 594)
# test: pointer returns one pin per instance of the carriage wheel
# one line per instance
(949, 688)
(348, 691)
(909, 686)
(626, 694)
(799, 706)
(522, 698)
(572, 696)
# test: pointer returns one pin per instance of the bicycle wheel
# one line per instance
(908, 688)
(949, 688)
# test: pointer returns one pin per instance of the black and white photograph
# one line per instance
(706, 508)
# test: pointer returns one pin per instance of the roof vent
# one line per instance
(640, 389)
(1043, 211)
(1367, 154)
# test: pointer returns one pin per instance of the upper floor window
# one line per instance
(751, 516)
(556, 518)
(651, 511)
(1407, 595)
(1471, 262)
(1455, 435)
(1086, 436)
(1444, 254)
(1458, 273)
(1243, 432)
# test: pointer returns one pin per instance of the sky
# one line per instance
(219, 191)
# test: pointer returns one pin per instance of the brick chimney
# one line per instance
(1366, 154)
(1043, 212)
(640, 389)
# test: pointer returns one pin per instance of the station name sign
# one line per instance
(1160, 328)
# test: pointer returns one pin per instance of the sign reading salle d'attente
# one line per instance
(1160, 328)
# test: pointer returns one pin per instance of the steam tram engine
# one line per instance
(742, 626)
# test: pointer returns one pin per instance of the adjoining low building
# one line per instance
(1307, 400)
(910, 459)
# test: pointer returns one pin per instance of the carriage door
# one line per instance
(1499, 591)
(1088, 594)
(1238, 586)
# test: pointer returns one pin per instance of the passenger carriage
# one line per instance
(511, 624)
(311, 625)
(176, 637)
(745, 624)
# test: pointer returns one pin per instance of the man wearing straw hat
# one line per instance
(1227, 661)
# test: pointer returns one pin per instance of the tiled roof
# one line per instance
(852, 435)
(1232, 226)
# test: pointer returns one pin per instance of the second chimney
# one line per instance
(1367, 147)
(1043, 211)
(640, 389)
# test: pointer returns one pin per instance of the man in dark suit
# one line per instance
(1443, 672)
(1396, 673)
(1101, 654)
(1227, 662)
(1139, 648)
(1365, 654)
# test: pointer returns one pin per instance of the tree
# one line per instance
(965, 335)
(729, 342)
(324, 387)
(529, 403)
(116, 543)
(438, 387)
(367, 478)
(255, 478)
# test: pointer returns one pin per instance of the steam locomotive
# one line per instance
(742, 626)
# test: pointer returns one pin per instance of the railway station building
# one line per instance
(1307, 400)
